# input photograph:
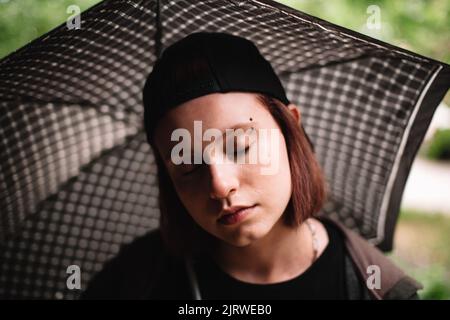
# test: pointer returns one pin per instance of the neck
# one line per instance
(282, 254)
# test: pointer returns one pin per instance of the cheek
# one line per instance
(273, 179)
(283, 160)
(192, 188)
(192, 198)
(274, 188)
(284, 171)
(187, 195)
(273, 160)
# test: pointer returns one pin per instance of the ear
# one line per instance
(295, 111)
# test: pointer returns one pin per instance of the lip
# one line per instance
(235, 214)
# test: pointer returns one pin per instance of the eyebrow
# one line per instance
(241, 125)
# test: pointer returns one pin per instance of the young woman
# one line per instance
(240, 189)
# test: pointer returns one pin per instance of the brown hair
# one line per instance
(183, 236)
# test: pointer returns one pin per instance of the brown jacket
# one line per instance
(395, 284)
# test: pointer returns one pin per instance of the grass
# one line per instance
(421, 249)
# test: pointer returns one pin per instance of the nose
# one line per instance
(223, 179)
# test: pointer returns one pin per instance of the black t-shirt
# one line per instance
(324, 279)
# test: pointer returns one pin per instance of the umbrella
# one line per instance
(77, 178)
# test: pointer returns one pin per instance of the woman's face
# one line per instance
(206, 188)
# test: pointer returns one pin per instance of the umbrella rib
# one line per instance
(332, 63)
(387, 195)
(341, 31)
(66, 184)
(85, 168)
(85, 104)
(158, 33)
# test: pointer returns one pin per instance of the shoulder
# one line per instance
(144, 250)
(393, 282)
(128, 273)
(146, 245)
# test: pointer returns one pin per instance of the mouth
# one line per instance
(237, 215)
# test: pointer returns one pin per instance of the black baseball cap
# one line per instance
(220, 63)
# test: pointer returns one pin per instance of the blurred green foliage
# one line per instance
(24, 20)
(426, 260)
(422, 26)
(438, 148)
(419, 25)
(433, 277)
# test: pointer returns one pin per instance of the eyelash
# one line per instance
(198, 166)
(243, 151)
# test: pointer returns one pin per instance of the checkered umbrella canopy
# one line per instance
(77, 178)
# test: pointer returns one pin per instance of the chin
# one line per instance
(246, 235)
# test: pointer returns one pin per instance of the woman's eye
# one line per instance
(242, 150)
